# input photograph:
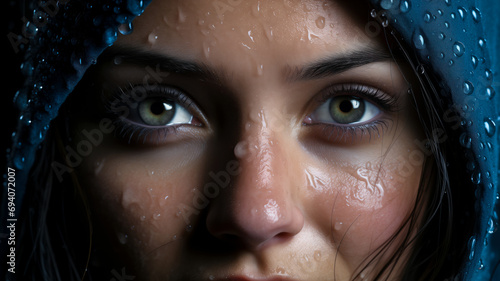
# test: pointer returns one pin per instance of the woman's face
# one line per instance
(251, 140)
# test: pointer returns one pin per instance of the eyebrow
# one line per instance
(338, 63)
(132, 55)
(329, 66)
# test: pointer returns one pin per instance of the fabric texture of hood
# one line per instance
(455, 40)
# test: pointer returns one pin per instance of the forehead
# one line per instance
(267, 30)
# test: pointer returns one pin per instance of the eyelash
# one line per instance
(346, 133)
(142, 134)
(130, 131)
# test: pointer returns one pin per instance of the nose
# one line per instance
(258, 208)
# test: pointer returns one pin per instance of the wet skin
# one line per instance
(270, 165)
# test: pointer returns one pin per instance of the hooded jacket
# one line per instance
(456, 42)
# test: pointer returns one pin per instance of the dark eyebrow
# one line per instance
(337, 64)
(167, 63)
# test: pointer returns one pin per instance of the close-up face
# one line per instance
(251, 140)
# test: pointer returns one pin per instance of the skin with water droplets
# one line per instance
(314, 190)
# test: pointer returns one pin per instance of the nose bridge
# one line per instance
(261, 203)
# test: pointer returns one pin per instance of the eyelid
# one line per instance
(381, 99)
(132, 95)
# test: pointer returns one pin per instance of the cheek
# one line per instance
(362, 206)
(138, 196)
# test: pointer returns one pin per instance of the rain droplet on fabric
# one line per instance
(458, 49)
(418, 41)
(471, 244)
(481, 42)
(405, 6)
(476, 14)
(465, 141)
(476, 177)
(490, 93)
(489, 127)
(487, 74)
(427, 17)
(468, 88)
(461, 12)
(441, 36)
(474, 61)
(386, 4)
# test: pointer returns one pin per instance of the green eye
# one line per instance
(156, 112)
(346, 110)
(343, 110)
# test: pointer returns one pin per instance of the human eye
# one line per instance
(150, 114)
(351, 112)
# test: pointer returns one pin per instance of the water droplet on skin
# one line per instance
(338, 226)
(211, 277)
(122, 238)
(269, 32)
(256, 9)
(489, 127)
(317, 255)
(98, 166)
(206, 49)
(280, 270)
(458, 49)
(468, 88)
(320, 22)
(152, 37)
(189, 228)
(260, 69)
(476, 14)
(418, 41)
(241, 149)
(156, 216)
(405, 6)
(181, 16)
(143, 218)
(373, 13)
(125, 28)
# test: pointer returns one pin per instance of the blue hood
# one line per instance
(455, 41)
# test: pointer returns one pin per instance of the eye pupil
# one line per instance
(158, 108)
(345, 106)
